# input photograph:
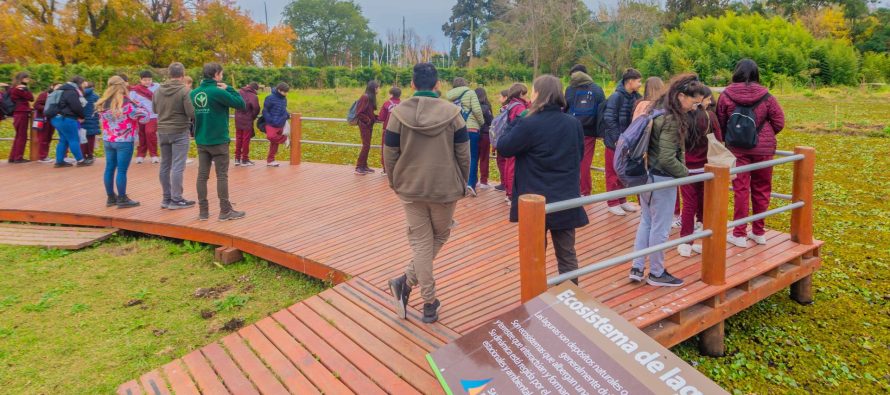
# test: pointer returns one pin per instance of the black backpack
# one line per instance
(261, 124)
(601, 112)
(585, 108)
(742, 128)
(8, 106)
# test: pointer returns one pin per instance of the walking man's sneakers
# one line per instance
(431, 312)
(400, 292)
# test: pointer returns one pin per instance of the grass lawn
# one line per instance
(64, 327)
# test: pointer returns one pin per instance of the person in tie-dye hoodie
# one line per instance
(120, 119)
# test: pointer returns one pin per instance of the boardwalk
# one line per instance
(324, 221)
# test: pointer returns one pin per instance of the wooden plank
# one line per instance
(205, 377)
(129, 388)
(231, 375)
(262, 378)
(153, 384)
(179, 379)
(290, 376)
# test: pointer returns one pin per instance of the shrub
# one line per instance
(875, 67)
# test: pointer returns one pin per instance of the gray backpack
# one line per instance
(51, 109)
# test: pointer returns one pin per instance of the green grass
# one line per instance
(87, 321)
(838, 345)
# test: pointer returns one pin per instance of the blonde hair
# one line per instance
(113, 97)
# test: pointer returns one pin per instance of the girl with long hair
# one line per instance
(666, 156)
(366, 116)
(120, 119)
(516, 104)
(547, 146)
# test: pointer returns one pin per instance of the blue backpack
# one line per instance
(631, 162)
(351, 117)
(457, 102)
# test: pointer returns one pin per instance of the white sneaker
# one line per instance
(738, 241)
(70, 160)
(273, 164)
(287, 142)
(155, 159)
(483, 186)
(139, 160)
(629, 207)
(471, 191)
(509, 202)
(677, 223)
(696, 248)
(187, 161)
(617, 210)
(757, 239)
(699, 226)
(685, 250)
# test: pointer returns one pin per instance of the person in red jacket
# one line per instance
(244, 120)
(395, 97)
(517, 103)
(366, 116)
(22, 98)
(43, 126)
(704, 122)
(751, 188)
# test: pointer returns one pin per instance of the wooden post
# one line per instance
(33, 140)
(711, 341)
(296, 134)
(532, 268)
(716, 210)
(802, 191)
(802, 218)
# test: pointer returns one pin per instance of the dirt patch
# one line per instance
(159, 332)
(212, 292)
(123, 250)
(207, 314)
(133, 302)
(233, 324)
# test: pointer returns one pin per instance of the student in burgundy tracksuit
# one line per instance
(484, 137)
(395, 97)
(22, 97)
(244, 120)
(704, 122)
(518, 94)
(366, 116)
(276, 116)
(142, 94)
(45, 128)
(499, 160)
(751, 188)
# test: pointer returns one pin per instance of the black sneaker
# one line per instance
(112, 201)
(431, 312)
(636, 274)
(500, 187)
(165, 204)
(84, 163)
(237, 162)
(21, 161)
(231, 215)
(180, 204)
(400, 292)
(203, 215)
(247, 163)
(123, 201)
(89, 160)
(63, 164)
(665, 280)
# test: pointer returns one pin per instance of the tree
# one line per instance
(682, 10)
(329, 32)
(468, 26)
(624, 29)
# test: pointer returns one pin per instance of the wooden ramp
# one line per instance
(59, 237)
(324, 221)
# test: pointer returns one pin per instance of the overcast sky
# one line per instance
(425, 16)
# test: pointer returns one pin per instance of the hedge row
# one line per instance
(298, 77)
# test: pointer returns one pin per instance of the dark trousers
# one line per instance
(366, 131)
(612, 181)
(752, 189)
(484, 152)
(693, 196)
(564, 247)
(501, 161)
(45, 135)
(586, 161)
(218, 156)
(89, 148)
(148, 139)
(276, 138)
(242, 145)
(20, 123)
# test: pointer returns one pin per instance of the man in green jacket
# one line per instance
(212, 100)
(471, 110)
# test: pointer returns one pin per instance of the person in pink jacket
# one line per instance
(753, 188)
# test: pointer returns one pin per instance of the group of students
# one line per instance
(547, 147)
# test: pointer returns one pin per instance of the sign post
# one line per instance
(563, 342)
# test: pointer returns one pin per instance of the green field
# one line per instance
(64, 327)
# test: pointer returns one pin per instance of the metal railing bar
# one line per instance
(322, 119)
(627, 257)
(784, 153)
(755, 217)
(332, 143)
(782, 196)
(605, 196)
(765, 164)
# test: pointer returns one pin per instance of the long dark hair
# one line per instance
(17, 80)
(549, 92)
(483, 96)
(371, 92)
(516, 91)
(699, 117)
(689, 85)
(746, 71)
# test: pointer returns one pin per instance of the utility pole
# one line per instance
(266, 11)
(472, 41)
(402, 55)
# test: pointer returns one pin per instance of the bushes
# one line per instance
(876, 67)
(297, 77)
(711, 47)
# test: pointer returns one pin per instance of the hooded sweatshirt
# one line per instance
(768, 113)
(143, 97)
(427, 153)
(244, 118)
(173, 107)
(469, 101)
(581, 81)
(212, 106)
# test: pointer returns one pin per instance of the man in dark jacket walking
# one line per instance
(175, 112)
(66, 119)
(617, 115)
(244, 120)
(583, 99)
(212, 101)
(427, 159)
(276, 116)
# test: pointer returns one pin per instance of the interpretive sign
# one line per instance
(563, 342)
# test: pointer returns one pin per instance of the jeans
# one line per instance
(68, 138)
(655, 225)
(474, 157)
(117, 158)
(218, 156)
(174, 152)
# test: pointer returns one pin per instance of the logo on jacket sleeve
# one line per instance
(201, 99)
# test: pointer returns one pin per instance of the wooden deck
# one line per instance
(324, 221)
(59, 237)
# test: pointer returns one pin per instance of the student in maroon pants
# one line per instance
(395, 97)
(244, 120)
(43, 126)
(366, 117)
(22, 97)
(276, 116)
